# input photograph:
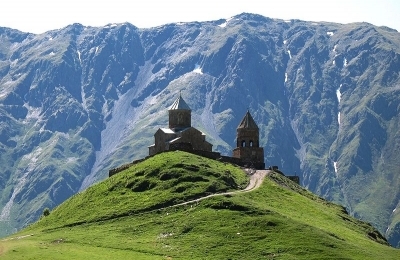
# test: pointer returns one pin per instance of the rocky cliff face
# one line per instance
(78, 101)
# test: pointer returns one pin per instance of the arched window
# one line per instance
(251, 143)
(243, 143)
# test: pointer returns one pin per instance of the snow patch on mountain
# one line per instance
(290, 55)
(339, 97)
(339, 94)
(335, 53)
(223, 25)
(197, 69)
(335, 167)
(108, 26)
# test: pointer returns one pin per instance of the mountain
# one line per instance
(79, 101)
(138, 214)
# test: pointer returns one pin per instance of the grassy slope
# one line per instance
(279, 221)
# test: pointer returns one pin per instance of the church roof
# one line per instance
(167, 131)
(174, 140)
(248, 122)
(179, 103)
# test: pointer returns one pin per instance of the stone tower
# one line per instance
(179, 115)
(247, 143)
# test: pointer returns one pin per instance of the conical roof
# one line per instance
(248, 122)
(180, 104)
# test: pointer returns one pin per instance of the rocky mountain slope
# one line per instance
(78, 101)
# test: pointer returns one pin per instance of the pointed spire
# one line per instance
(180, 104)
(248, 122)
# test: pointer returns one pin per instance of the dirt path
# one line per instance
(256, 179)
(17, 238)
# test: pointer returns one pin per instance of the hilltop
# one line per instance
(131, 215)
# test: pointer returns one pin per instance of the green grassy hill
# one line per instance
(128, 217)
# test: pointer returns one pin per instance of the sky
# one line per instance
(39, 16)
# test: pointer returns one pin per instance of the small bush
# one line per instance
(46, 212)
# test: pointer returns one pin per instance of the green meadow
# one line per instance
(129, 216)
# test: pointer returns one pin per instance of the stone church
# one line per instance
(180, 135)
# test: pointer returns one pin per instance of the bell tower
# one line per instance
(180, 115)
(247, 143)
